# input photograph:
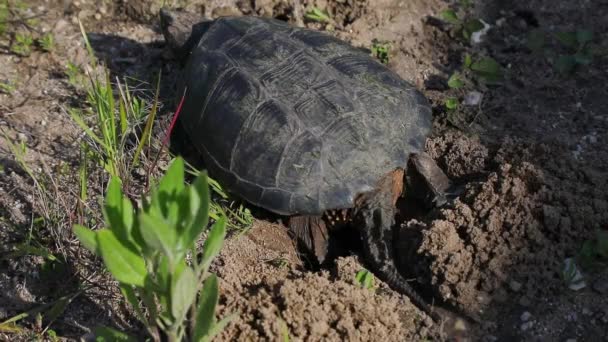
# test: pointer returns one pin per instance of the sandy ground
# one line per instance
(532, 155)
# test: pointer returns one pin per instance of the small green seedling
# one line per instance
(579, 54)
(23, 44)
(47, 42)
(145, 250)
(381, 50)
(74, 74)
(594, 251)
(365, 279)
(463, 27)
(455, 81)
(318, 15)
(486, 68)
(6, 88)
(451, 103)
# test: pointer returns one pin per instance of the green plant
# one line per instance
(594, 251)
(318, 15)
(462, 27)
(365, 279)
(7, 88)
(23, 44)
(4, 16)
(455, 81)
(145, 250)
(381, 50)
(487, 69)
(579, 51)
(74, 74)
(47, 42)
(113, 119)
(451, 103)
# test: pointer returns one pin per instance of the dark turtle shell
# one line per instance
(294, 120)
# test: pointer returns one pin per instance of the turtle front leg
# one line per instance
(375, 217)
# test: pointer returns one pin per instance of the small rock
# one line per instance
(587, 312)
(22, 137)
(525, 316)
(573, 276)
(515, 285)
(477, 37)
(97, 16)
(526, 326)
(473, 98)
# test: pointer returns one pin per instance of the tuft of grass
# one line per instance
(381, 50)
(47, 42)
(113, 119)
(317, 15)
(145, 250)
(6, 88)
(76, 76)
(23, 44)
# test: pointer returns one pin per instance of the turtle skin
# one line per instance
(294, 120)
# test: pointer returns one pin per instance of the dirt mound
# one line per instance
(274, 296)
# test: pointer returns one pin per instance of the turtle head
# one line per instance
(182, 30)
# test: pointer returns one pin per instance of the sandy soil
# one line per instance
(532, 156)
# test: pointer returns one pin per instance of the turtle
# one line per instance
(308, 127)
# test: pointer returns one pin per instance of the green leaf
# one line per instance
(219, 326)
(450, 17)
(158, 235)
(126, 266)
(129, 294)
(535, 40)
(106, 334)
(584, 36)
(488, 69)
(213, 243)
(565, 64)
(365, 278)
(205, 317)
(316, 14)
(467, 61)
(199, 207)
(87, 238)
(451, 103)
(455, 82)
(169, 187)
(568, 39)
(471, 26)
(183, 293)
(486, 65)
(118, 213)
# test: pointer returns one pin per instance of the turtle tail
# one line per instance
(375, 216)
